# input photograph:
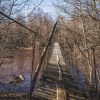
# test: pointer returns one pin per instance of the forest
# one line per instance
(27, 38)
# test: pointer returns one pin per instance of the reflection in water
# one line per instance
(20, 64)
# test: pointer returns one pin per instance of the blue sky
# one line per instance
(48, 7)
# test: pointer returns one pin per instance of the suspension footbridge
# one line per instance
(56, 82)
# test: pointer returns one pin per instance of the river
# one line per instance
(20, 64)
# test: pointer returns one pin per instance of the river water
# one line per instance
(21, 63)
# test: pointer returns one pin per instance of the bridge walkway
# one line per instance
(56, 82)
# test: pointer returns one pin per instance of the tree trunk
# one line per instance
(32, 86)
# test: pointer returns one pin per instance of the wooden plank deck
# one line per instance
(56, 82)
